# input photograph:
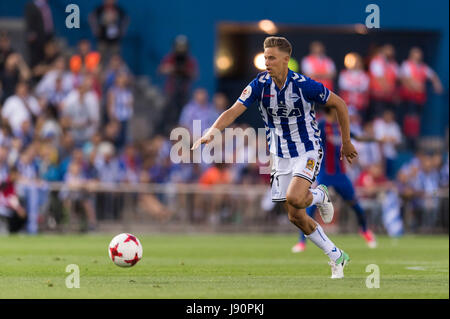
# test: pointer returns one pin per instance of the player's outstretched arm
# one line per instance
(347, 149)
(223, 121)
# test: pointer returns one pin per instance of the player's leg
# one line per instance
(300, 195)
(314, 232)
(345, 189)
(301, 244)
(311, 210)
(297, 195)
(305, 169)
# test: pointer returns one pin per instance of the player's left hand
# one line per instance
(349, 151)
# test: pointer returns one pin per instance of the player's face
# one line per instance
(276, 61)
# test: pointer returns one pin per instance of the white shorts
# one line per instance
(305, 166)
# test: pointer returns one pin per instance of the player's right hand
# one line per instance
(203, 140)
(348, 151)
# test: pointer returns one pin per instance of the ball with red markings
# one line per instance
(125, 250)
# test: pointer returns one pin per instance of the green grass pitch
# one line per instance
(222, 266)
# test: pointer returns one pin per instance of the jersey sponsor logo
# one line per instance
(283, 111)
(246, 93)
(310, 164)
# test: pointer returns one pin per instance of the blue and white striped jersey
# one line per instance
(288, 114)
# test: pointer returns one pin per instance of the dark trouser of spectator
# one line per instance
(390, 168)
(36, 50)
(107, 49)
(377, 108)
(409, 118)
(109, 206)
(122, 138)
(16, 223)
(424, 219)
(55, 209)
(172, 113)
(365, 114)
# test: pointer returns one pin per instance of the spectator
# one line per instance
(369, 152)
(55, 86)
(413, 74)
(76, 196)
(211, 206)
(444, 173)
(4, 167)
(20, 111)
(371, 183)
(367, 146)
(354, 85)
(91, 146)
(388, 132)
(109, 171)
(181, 69)
(10, 207)
(120, 107)
(318, 66)
(30, 188)
(27, 166)
(85, 61)
(115, 66)
(5, 49)
(48, 128)
(200, 109)
(130, 163)
(108, 23)
(14, 151)
(65, 149)
(15, 70)
(111, 132)
(426, 186)
(5, 134)
(383, 71)
(39, 29)
(220, 102)
(51, 53)
(48, 169)
(80, 112)
(107, 165)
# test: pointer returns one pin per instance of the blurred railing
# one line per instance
(195, 207)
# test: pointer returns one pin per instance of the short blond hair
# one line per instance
(278, 42)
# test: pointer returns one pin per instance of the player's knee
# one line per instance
(297, 201)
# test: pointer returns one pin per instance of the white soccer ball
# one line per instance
(125, 250)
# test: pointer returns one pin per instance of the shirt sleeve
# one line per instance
(429, 72)
(404, 70)
(315, 91)
(376, 68)
(342, 81)
(251, 93)
(306, 66)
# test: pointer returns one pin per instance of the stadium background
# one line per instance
(238, 250)
(154, 26)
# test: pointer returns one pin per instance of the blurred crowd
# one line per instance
(65, 117)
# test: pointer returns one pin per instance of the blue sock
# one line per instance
(361, 216)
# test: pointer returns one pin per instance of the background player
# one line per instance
(333, 174)
(286, 102)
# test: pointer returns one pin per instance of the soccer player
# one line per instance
(333, 174)
(286, 101)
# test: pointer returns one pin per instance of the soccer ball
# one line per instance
(125, 250)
